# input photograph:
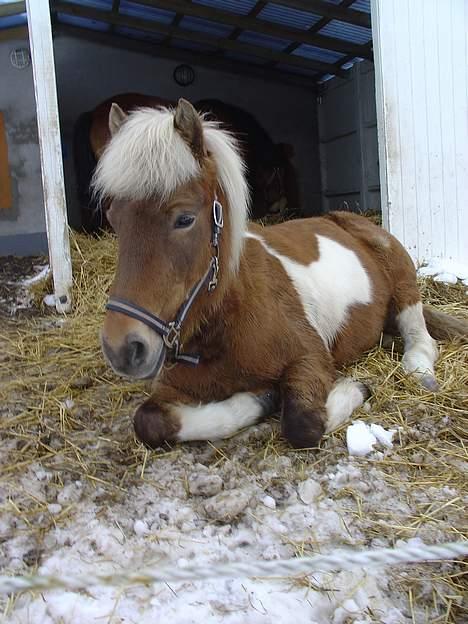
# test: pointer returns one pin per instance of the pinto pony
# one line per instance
(233, 321)
(270, 172)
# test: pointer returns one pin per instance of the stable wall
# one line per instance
(421, 66)
(22, 227)
(89, 72)
(348, 142)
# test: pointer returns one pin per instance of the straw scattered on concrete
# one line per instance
(62, 407)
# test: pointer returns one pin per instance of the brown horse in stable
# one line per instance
(233, 321)
(270, 172)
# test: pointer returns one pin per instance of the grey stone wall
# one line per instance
(22, 228)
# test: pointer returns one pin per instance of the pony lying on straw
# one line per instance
(234, 321)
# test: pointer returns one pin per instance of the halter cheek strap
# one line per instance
(170, 331)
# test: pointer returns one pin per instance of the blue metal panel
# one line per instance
(145, 12)
(216, 29)
(82, 22)
(242, 7)
(318, 54)
(104, 5)
(361, 5)
(13, 20)
(133, 33)
(273, 43)
(347, 32)
(288, 17)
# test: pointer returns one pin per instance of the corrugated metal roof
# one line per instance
(13, 20)
(199, 24)
(318, 54)
(83, 22)
(271, 12)
(264, 41)
(242, 7)
(347, 32)
(144, 12)
(105, 5)
(134, 33)
(361, 5)
(288, 17)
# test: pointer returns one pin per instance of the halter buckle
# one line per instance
(214, 276)
(171, 339)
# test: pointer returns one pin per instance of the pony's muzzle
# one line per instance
(137, 355)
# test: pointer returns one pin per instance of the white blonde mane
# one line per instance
(148, 158)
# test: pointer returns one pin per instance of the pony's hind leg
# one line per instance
(157, 421)
(420, 349)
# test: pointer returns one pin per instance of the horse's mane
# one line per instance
(147, 159)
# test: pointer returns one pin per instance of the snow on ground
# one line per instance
(209, 504)
(446, 271)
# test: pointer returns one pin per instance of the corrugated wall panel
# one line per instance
(421, 58)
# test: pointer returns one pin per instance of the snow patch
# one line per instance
(361, 438)
(445, 270)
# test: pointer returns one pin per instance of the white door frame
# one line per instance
(42, 56)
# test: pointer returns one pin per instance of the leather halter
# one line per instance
(170, 331)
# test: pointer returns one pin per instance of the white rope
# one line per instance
(331, 562)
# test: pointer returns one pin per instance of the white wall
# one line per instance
(88, 72)
(421, 59)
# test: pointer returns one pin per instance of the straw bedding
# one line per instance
(63, 411)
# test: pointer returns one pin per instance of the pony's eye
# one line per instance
(184, 221)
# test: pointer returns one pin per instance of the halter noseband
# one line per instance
(170, 332)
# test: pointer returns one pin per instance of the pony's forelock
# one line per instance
(148, 158)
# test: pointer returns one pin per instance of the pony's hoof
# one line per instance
(302, 427)
(430, 383)
(154, 425)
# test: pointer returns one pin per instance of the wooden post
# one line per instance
(42, 55)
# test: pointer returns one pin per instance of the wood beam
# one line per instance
(254, 24)
(351, 16)
(48, 126)
(216, 42)
(15, 8)
(184, 56)
(17, 32)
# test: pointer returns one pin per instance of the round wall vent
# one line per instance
(20, 58)
(184, 75)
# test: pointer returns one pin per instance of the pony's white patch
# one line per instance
(148, 158)
(346, 396)
(327, 287)
(222, 419)
(420, 348)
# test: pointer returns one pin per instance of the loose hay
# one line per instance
(65, 414)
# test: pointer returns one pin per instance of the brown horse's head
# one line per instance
(275, 181)
(162, 171)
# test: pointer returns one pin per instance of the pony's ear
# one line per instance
(116, 118)
(188, 125)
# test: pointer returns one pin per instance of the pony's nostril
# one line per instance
(137, 352)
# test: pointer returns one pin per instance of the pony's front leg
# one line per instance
(314, 403)
(169, 416)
